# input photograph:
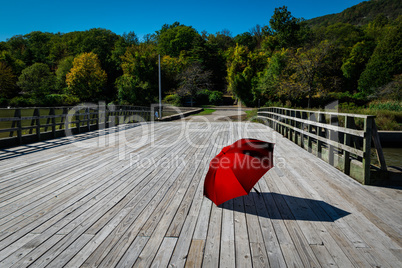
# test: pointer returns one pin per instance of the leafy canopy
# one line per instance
(86, 78)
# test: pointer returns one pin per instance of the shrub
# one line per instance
(173, 99)
(22, 102)
(60, 100)
(215, 97)
(386, 105)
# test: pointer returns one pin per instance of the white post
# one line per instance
(160, 88)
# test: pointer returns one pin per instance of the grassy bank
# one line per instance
(205, 112)
(388, 113)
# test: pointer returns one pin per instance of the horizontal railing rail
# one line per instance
(24, 125)
(331, 136)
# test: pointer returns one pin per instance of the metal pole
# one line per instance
(160, 88)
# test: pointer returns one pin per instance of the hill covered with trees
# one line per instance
(361, 14)
(287, 61)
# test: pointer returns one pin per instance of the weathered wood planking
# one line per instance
(65, 205)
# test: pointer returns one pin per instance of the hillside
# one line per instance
(361, 13)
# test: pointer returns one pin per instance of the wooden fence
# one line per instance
(333, 137)
(24, 125)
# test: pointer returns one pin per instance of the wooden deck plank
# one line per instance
(165, 252)
(64, 205)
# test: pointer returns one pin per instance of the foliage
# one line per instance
(268, 82)
(133, 91)
(388, 113)
(192, 80)
(286, 29)
(86, 78)
(354, 65)
(173, 99)
(361, 13)
(140, 75)
(172, 39)
(37, 81)
(21, 101)
(243, 67)
(7, 81)
(385, 62)
(215, 97)
(386, 105)
(63, 69)
(354, 57)
(60, 100)
(303, 76)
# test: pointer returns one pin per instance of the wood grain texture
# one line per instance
(136, 199)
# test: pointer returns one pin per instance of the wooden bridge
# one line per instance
(133, 196)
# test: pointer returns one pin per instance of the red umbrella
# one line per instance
(237, 168)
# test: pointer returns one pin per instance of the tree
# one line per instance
(120, 47)
(38, 47)
(268, 81)
(302, 77)
(242, 70)
(63, 69)
(37, 81)
(385, 62)
(355, 64)
(193, 79)
(7, 81)
(288, 30)
(133, 91)
(173, 39)
(139, 83)
(86, 78)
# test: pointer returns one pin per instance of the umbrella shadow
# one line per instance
(285, 207)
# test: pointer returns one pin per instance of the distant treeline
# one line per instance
(284, 62)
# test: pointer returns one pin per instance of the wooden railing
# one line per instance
(331, 136)
(24, 125)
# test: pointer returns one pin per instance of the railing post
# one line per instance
(37, 113)
(320, 119)
(332, 135)
(64, 119)
(78, 120)
(311, 118)
(88, 117)
(52, 112)
(14, 123)
(368, 124)
(346, 141)
(19, 125)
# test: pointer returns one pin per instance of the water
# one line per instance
(393, 156)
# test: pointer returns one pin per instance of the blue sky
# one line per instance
(145, 16)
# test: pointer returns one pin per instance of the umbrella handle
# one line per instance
(256, 191)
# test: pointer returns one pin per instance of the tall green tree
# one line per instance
(268, 83)
(63, 69)
(303, 75)
(173, 39)
(139, 83)
(8, 81)
(37, 81)
(385, 62)
(287, 30)
(355, 64)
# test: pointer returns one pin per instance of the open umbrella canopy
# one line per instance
(237, 168)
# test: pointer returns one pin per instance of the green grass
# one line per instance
(251, 114)
(388, 113)
(205, 112)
